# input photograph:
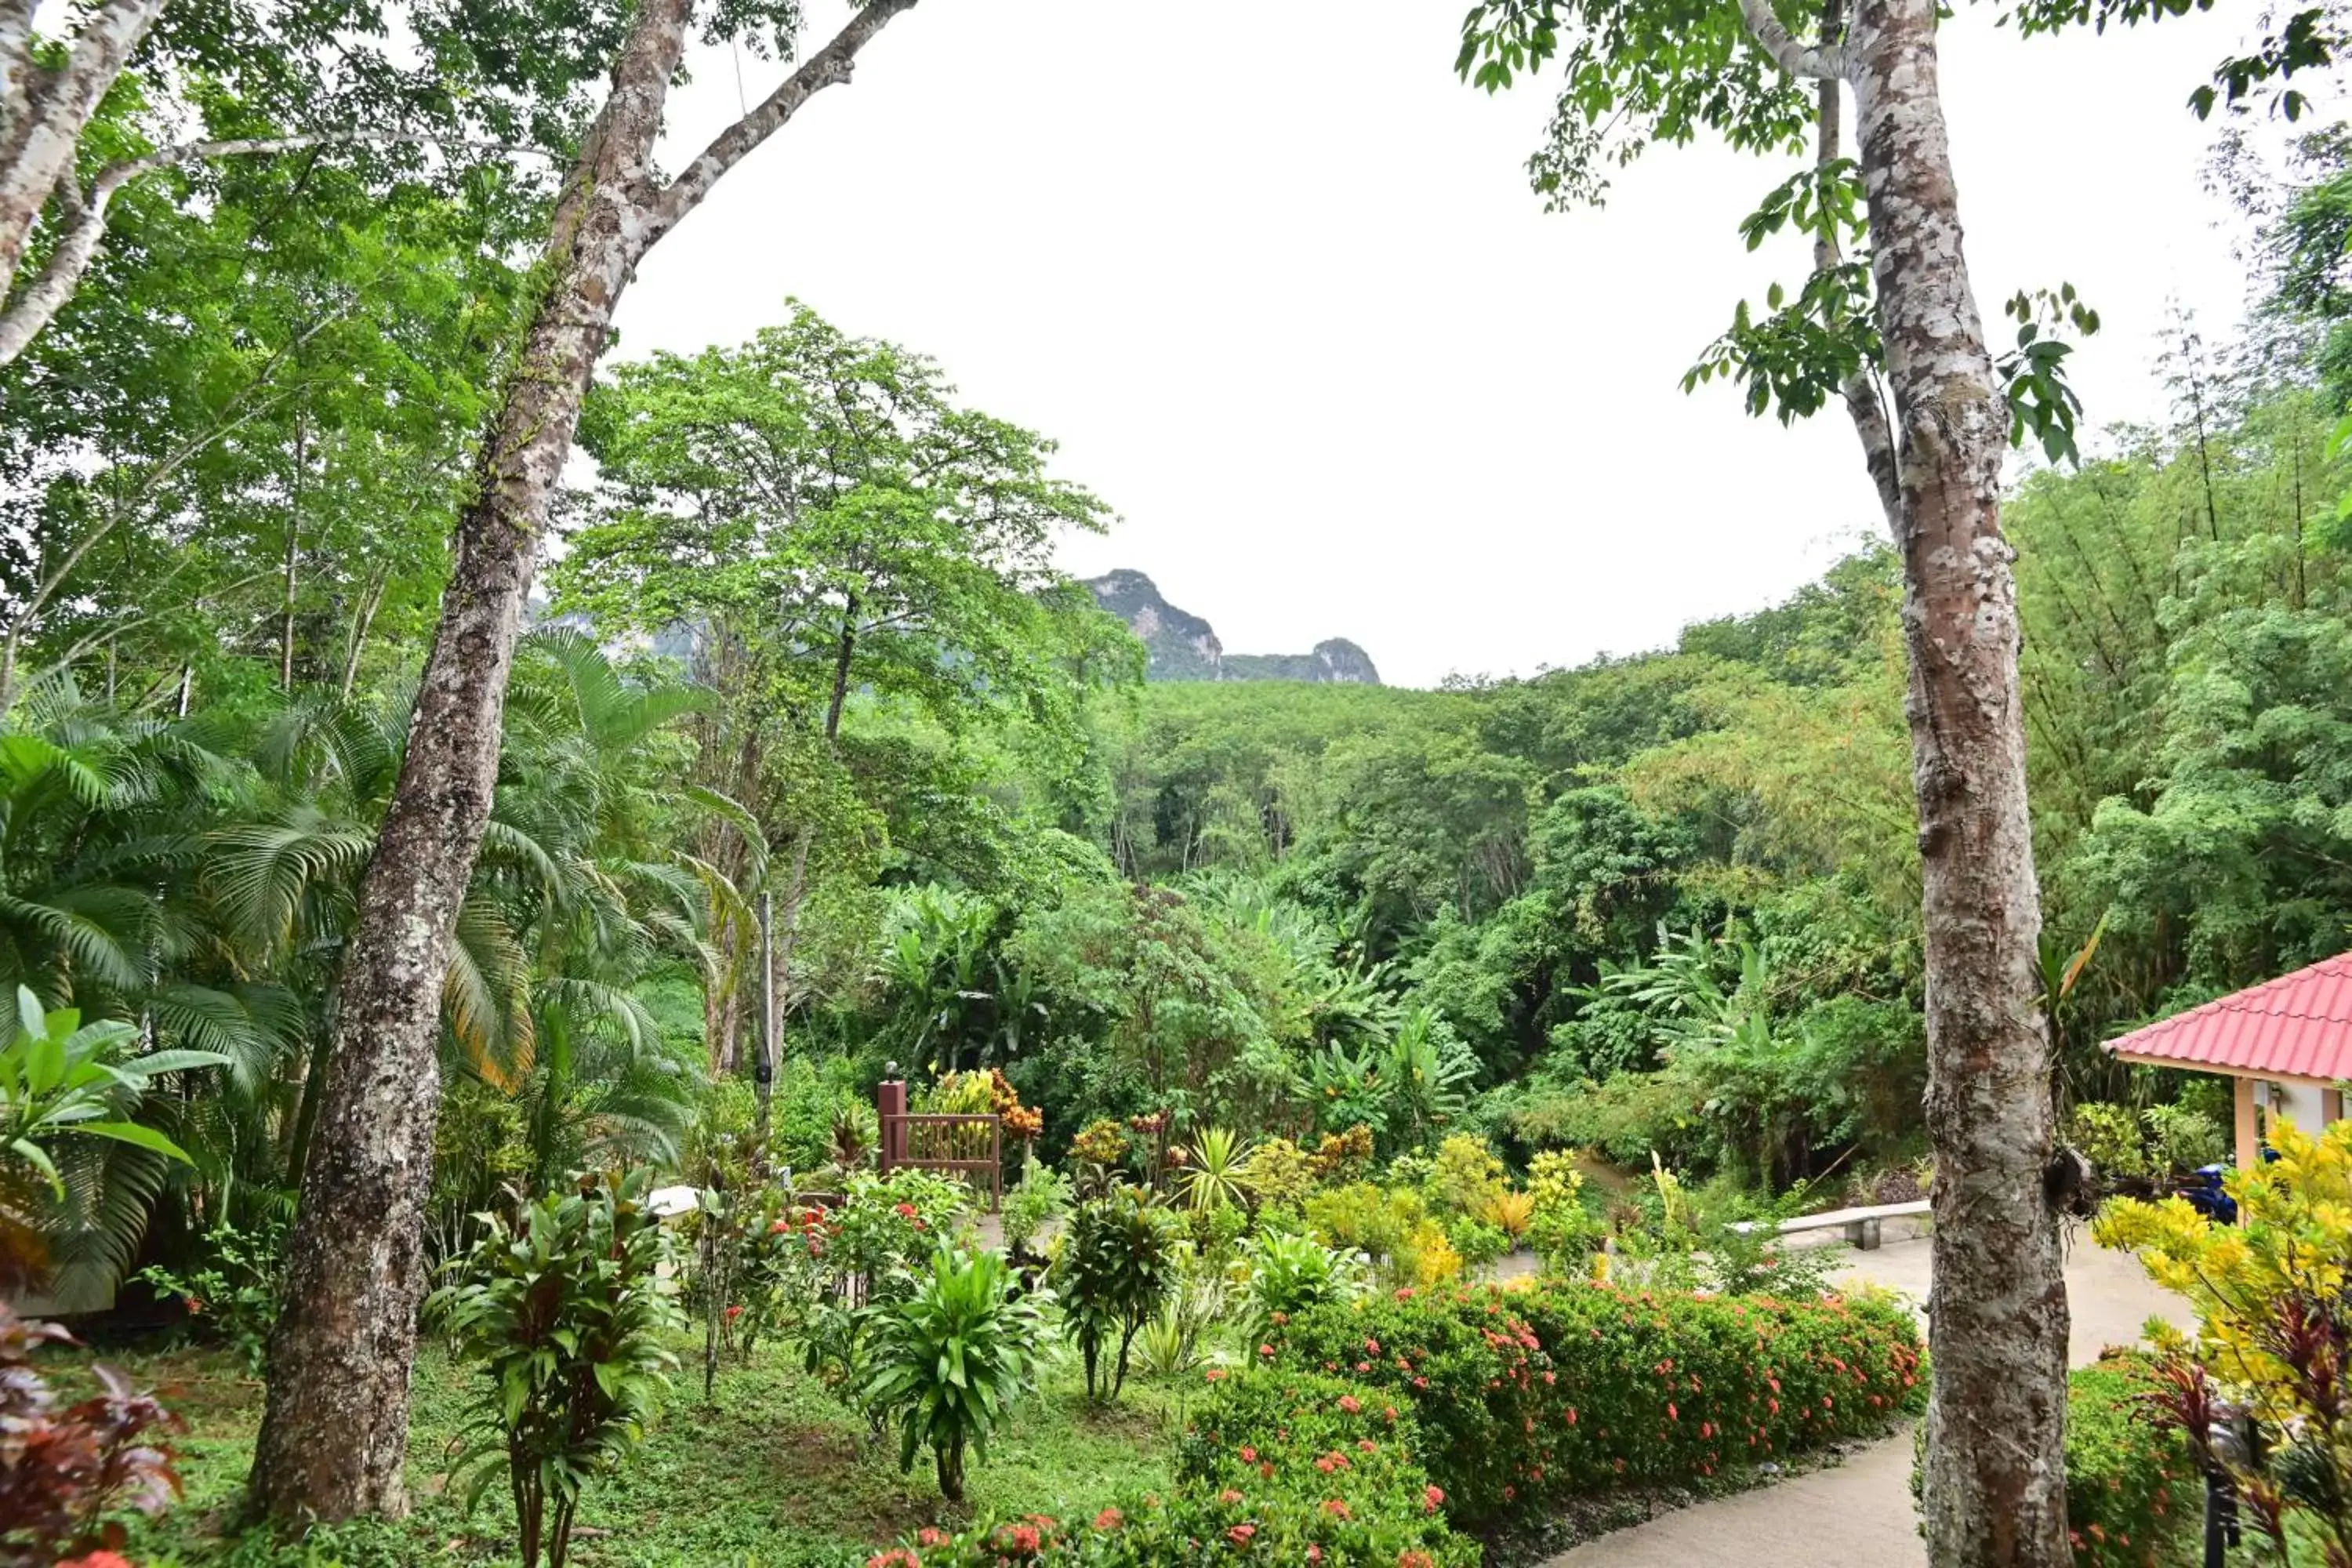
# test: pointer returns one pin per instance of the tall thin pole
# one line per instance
(763, 1074)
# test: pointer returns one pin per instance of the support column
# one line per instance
(890, 1114)
(2249, 1137)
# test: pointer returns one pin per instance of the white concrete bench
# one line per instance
(1860, 1224)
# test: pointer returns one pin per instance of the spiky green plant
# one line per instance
(953, 1358)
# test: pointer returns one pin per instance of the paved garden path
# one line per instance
(1859, 1514)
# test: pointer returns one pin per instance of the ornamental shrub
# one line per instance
(1195, 1528)
(1280, 1466)
(952, 1358)
(65, 1469)
(231, 1296)
(1117, 1265)
(565, 1315)
(2133, 1494)
(2269, 1294)
(1289, 1274)
(1569, 1389)
(1277, 1429)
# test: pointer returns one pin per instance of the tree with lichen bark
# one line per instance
(334, 1434)
(1895, 337)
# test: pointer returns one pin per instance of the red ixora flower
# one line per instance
(1019, 1539)
(1240, 1535)
(99, 1559)
(734, 1313)
(931, 1535)
(1249, 1454)
(897, 1557)
(1337, 1508)
(194, 1304)
(906, 1211)
(1110, 1519)
(1216, 1374)
(1429, 1497)
(1229, 1497)
(1350, 1404)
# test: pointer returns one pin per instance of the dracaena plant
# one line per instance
(63, 1470)
(1116, 1267)
(953, 1358)
(565, 1312)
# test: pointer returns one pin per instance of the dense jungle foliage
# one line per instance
(1301, 1006)
(1660, 904)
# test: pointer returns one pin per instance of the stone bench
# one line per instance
(1862, 1226)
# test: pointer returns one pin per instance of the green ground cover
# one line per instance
(775, 1472)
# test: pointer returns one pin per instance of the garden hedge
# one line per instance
(1366, 1430)
(1569, 1390)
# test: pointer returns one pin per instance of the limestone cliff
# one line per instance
(1184, 647)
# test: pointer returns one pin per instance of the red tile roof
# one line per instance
(2298, 1025)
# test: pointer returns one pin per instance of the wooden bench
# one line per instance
(1860, 1224)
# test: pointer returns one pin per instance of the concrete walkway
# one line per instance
(1859, 1514)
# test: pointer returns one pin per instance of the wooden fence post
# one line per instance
(890, 1114)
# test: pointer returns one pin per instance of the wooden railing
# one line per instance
(968, 1146)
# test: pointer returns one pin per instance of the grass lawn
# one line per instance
(774, 1473)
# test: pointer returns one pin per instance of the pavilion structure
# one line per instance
(2286, 1044)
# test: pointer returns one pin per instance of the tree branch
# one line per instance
(16, 62)
(1863, 405)
(49, 111)
(827, 67)
(85, 215)
(1820, 62)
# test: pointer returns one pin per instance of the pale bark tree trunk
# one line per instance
(371, 598)
(334, 1434)
(729, 755)
(44, 111)
(780, 973)
(293, 555)
(1995, 1481)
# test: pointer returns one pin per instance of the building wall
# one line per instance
(2305, 1104)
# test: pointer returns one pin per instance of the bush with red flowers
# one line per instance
(1272, 1525)
(1279, 1467)
(1572, 1389)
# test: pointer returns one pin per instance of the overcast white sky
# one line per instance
(1274, 280)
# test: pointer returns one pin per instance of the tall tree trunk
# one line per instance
(371, 600)
(780, 973)
(293, 555)
(44, 111)
(334, 1434)
(1995, 1473)
(1996, 1469)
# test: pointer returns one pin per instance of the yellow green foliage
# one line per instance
(1508, 1211)
(2268, 1293)
(1341, 1156)
(1466, 1174)
(1277, 1174)
(2292, 1244)
(1554, 1182)
(1427, 1258)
